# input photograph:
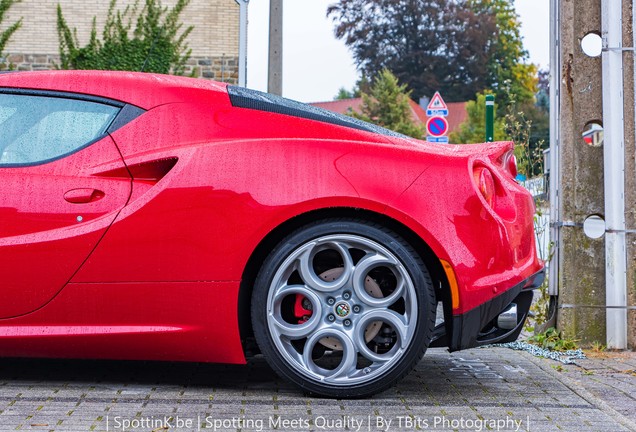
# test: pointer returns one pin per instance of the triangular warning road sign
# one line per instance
(437, 103)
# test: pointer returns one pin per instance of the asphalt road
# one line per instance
(474, 390)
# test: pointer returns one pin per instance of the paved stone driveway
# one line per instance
(479, 389)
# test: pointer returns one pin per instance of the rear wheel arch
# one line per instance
(260, 253)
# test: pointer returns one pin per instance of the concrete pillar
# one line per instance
(582, 260)
(581, 280)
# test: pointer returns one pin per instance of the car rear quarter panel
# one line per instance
(490, 250)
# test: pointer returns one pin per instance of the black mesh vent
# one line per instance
(253, 99)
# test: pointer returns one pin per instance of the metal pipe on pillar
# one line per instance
(614, 174)
(554, 168)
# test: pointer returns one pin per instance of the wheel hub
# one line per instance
(342, 309)
(371, 287)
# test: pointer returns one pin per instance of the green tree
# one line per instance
(362, 85)
(157, 42)
(509, 77)
(473, 130)
(527, 124)
(457, 47)
(387, 105)
(343, 93)
(6, 34)
(429, 45)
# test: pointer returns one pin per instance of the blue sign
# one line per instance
(438, 140)
(437, 112)
(437, 126)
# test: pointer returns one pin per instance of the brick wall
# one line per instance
(214, 40)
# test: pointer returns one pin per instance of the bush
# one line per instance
(387, 105)
(6, 34)
(156, 44)
(553, 340)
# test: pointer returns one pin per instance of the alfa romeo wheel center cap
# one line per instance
(342, 309)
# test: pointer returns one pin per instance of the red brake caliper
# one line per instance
(300, 311)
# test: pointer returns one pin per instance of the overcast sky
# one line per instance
(316, 64)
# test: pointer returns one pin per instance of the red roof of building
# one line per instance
(457, 113)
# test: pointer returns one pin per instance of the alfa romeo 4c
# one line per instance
(163, 218)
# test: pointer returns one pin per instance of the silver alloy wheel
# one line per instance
(342, 310)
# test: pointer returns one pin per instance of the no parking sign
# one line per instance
(436, 125)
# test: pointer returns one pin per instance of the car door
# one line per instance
(62, 183)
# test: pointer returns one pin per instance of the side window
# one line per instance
(36, 129)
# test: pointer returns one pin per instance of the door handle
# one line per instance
(83, 195)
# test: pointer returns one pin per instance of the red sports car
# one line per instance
(156, 217)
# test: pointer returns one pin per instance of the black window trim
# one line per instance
(127, 113)
(62, 95)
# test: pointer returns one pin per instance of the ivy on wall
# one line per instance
(150, 40)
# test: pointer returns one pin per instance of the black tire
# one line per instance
(368, 299)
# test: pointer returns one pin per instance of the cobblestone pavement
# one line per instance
(610, 377)
(474, 390)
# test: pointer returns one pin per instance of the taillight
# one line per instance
(485, 184)
(510, 163)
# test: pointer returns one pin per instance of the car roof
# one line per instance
(145, 90)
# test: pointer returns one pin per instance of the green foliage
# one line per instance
(509, 76)
(541, 303)
(457, 47)
(473, 130)
(157, 43)
(527, 124)
(343, 93)
(428, 44)
(598, 347)
(362, 85)
(553, 340)
(529, 151)
(387, 105)
(514, 84)
(6, 34)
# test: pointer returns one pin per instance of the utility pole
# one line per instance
(595, 177)
(581, 276)
(242, 66)
(275, 64)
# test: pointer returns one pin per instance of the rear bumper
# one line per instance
(476, 327)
